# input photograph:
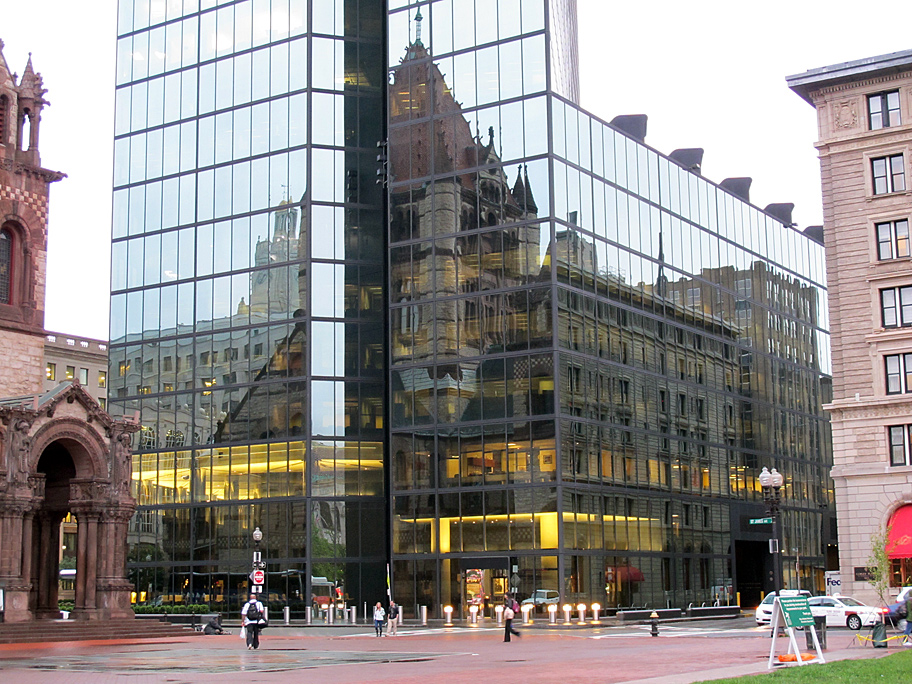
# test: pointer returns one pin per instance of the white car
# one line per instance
(765, 609)
(844, 610)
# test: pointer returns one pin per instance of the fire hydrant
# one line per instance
(655, 624)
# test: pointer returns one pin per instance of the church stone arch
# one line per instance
(60, 454)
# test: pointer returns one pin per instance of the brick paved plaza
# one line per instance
(682, 653)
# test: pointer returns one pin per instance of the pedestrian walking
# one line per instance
(253, 618)
(508, 623)
(393, 619)
(379, 618)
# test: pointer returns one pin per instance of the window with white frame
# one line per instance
(889, 174)
(892, 239)
(898, 444)
(896, 306)
(898, 369)
(883, 110)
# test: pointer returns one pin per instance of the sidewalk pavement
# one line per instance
(682, 654)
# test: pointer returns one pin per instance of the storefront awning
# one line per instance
(899, 543)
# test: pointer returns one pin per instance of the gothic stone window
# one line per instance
(6, 266)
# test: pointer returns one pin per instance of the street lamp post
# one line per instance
(771, 484)
(259, 567)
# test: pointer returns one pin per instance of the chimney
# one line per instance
(691, 158)
(781, 212)
(633, 125)
(739, 187)
(815, 233)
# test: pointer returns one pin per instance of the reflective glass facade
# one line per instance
(593, 350)
(247, 307)
(538, 355)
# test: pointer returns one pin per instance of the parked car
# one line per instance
(844, 610)
(541, 598)
(903, 594)
(765, 610)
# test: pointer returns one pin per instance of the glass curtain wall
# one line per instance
(247, 307)
(593, 349)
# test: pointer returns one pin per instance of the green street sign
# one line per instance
(761, 521)
(796, 611)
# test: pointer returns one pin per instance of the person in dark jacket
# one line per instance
(393, 619)
(508, 615)
(214, 626)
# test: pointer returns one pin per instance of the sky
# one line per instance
(707, 74)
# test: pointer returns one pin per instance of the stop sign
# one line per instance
(259, 577)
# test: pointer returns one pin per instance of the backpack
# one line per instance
(515, 606)
(254, 614)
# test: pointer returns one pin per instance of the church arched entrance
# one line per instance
(61, 454)
(58, 469)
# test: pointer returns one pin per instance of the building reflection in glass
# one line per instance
(589, 360)
(247, 309)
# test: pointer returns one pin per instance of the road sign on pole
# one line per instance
(761, 521)
(258, 576)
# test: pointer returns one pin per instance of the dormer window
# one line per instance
(883, 110)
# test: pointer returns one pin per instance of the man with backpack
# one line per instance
(253, 618)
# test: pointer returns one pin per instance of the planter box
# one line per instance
(640, 615)
(714, 611)
(178, 618)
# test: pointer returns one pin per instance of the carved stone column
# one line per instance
(48, 564)
(14, 584)
(113, 597)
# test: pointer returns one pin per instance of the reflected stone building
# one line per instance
(537, 355)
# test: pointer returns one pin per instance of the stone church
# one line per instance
(60, 453)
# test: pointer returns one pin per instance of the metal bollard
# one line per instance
(330, 609)
(552, 613)
(308, 615)
(424, 616)
(527, 614)
(498, 614)
(353, 611)
(473, 615)
(286, 613)
(581, 609)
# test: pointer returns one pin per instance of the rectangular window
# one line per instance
(84, 376)
(898, 444)
(883, 110)
(102, 378)
(70, 372)
(896, 306)
(103, 403)
(51, 371)
(892, 240)
(123, 368)
(898, 368)
(889, 174)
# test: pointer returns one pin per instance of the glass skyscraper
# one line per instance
(536, 355)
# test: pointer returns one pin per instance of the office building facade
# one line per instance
(537, 355)
(865, 144)
(81, 359)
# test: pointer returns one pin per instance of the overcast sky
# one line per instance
(708, 74)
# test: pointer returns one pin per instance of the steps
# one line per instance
(42, 631)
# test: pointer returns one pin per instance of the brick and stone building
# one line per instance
(864, 112)
(60, 452)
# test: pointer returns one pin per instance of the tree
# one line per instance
(879, 564)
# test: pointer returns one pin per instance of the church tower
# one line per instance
(24, 189)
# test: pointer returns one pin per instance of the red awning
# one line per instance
(899, 543)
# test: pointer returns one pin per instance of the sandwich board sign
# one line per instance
(790, 612)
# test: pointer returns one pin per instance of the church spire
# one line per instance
(418, 20)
